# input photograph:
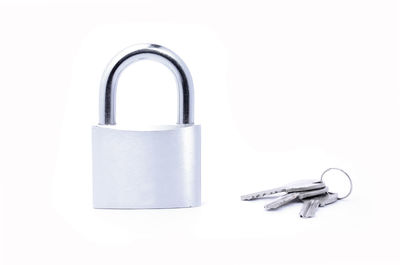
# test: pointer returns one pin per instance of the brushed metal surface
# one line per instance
(146, 169)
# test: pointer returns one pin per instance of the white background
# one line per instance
(284, 90)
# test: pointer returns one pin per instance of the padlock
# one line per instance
(158, 167)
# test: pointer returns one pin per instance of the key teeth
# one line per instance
(281, 201)
(252, 197)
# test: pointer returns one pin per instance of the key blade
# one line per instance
(309, 208)
(297, 186)
(305, 208)
(285, 199)
(262, 194)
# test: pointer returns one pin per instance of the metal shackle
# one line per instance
(154, 52)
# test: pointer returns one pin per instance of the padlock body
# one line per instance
(143, 169)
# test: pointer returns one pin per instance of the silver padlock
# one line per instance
(156, 168)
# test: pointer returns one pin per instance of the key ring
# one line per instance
(347, 175)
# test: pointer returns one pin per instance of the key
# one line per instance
(298, 186)
(311, 205)
(285, 199)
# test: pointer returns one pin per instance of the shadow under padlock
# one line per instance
(156, 167)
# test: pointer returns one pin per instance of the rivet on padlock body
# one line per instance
(157, 168)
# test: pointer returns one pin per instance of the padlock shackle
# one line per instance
(154, 52)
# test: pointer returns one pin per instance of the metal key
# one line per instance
(310, 205)
(285, 199)
(298, 186)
